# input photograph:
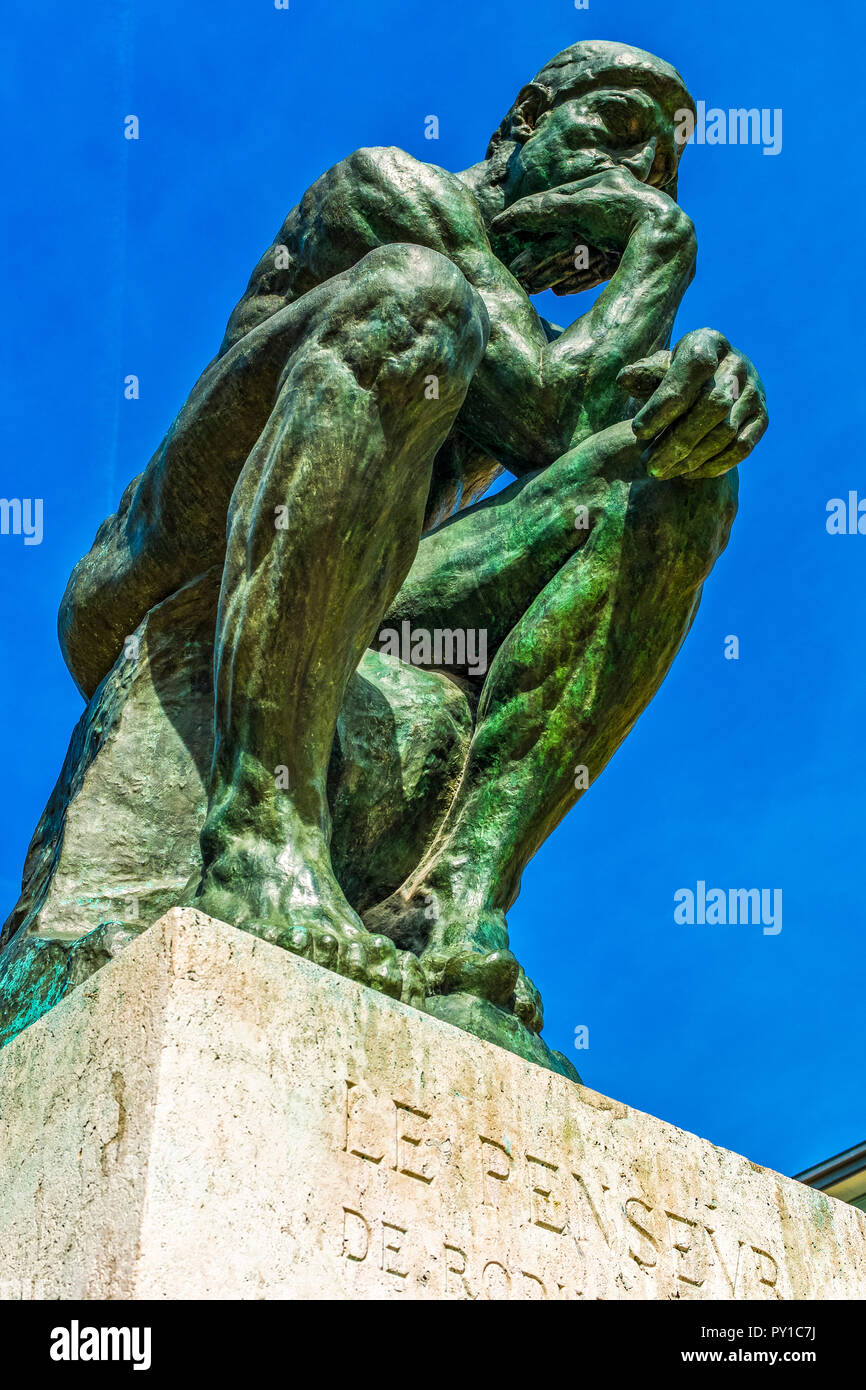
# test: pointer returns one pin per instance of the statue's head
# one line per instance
(595, 105)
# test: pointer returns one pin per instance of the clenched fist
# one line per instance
(706, 407)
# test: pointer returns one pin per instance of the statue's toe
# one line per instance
(490, 975)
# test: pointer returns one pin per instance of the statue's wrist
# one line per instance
(667, 222)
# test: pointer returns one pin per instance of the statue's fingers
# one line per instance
(534, 212)
(734, 453)
(749, 408)
(711, 411)
(723, 462)
(531, 214)
(709, 448)
(745, 410)
(748, 380)
(694, 362)
(641, 378)
(752, 419)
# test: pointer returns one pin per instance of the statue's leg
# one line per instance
(323, 526)
(584, 622)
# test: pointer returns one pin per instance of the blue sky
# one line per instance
(127, 257)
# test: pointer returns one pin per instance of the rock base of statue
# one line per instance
(209, 1117)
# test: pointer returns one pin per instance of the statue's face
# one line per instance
(597, 130)
(580, 136)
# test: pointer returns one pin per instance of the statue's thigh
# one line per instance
(673, 532)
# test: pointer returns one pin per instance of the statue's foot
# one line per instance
(324, 930)
(459, 956)
(490, 975)
(493, 975)
(349, 950)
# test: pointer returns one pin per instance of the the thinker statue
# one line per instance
(383, 366)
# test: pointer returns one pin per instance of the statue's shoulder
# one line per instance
(391, 178)
(388, 164)
(377, 194)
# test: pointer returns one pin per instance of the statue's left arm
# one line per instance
(706, 408)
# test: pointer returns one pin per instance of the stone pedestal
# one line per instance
(210, 1117)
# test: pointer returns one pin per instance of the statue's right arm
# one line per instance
(654, 249)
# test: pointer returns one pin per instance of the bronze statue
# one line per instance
(318, 493)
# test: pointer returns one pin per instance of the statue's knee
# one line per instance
(421, 279)
(712, 509)
(417, 310)
(685, 524)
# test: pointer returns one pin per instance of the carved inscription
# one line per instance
(476, 1215)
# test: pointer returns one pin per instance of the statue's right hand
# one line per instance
(604, 208)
